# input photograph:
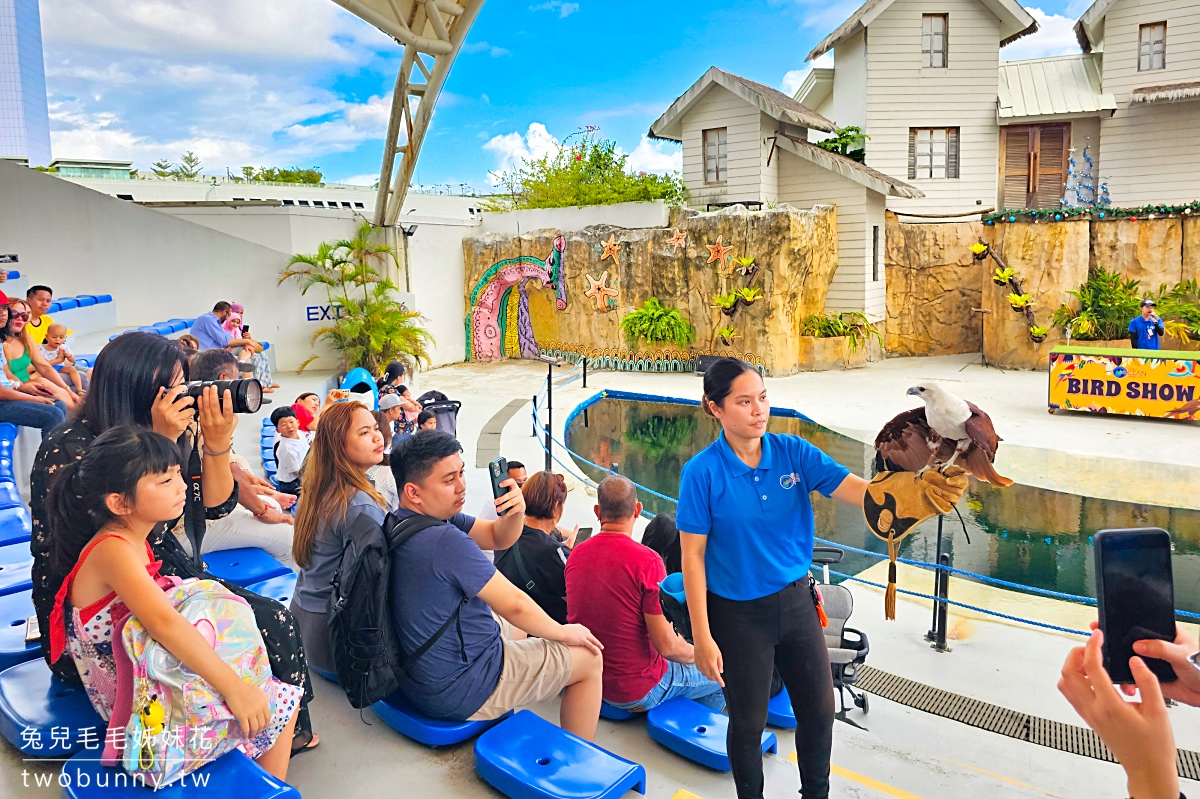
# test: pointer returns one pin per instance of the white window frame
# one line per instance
(715, 148)
(937, 153)
(1152, 46)
(935, 43)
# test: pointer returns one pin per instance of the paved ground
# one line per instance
(894, 751)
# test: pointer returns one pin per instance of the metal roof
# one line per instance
(847, 167)
(1061, 86)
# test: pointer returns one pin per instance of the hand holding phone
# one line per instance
(498, 473)
(1135, 597)
(583, 535)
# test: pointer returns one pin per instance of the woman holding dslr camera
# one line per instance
(139, 380)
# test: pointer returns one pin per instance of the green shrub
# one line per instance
(854, 325)
(657, 324)
(1107, 303)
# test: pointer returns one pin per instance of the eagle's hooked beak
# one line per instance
(914, 391)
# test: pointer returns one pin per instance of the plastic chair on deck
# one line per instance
(15, 609)
(232, 774)
(243, 566)
(402, 717)
(16, 568)
(612, 713)
(33, 702)
(688, 728)
(281, 588)
(527, 757)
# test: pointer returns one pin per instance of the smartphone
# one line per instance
(584, 534)
(498, 473)
(245, 330)
(1135, 595)
(33, 631)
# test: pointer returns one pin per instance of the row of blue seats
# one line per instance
(166, 328)
(79, 301)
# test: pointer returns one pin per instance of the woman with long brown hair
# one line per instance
(25, 361)
(337, 501)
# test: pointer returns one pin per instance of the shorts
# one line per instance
(534, 670)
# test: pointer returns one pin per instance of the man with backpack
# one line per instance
(481, 663)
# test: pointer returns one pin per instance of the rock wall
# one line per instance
(933, 283)
(568, 292)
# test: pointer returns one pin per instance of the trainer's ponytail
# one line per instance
(76, 506)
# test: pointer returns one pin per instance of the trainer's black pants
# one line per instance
(778, 631)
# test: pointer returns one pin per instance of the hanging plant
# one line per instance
(727, 335)
(1002, 275)
(749, 294)
(979, 250)
(657, 324)
(1038, 333)
(1019, 301)
(746, 266)
(726, 302)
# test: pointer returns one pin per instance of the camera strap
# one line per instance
(194, 521)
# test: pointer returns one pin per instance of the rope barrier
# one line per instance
(983, 578)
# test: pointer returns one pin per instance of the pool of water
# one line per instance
(1022, 533)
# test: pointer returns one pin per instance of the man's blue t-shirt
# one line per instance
(759, 522)
(208, 331)
(431, 573)
(1148, 332)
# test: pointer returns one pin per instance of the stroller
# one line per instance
(848, 647)
(444, 408)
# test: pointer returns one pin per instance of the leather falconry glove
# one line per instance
(896, 502)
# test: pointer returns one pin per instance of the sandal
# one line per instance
(300, 746)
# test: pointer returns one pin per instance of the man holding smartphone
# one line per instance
(1146, 331)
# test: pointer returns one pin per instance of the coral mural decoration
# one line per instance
(598, 290)
(498, 321)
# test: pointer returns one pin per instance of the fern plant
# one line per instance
(657, 324)
(854, 325)
(1107, 303)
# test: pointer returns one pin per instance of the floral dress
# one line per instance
(68, 443)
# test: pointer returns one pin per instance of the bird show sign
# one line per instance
(1160, 384)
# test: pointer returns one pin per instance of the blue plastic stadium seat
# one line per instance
(15, 527)
(280, 589)
(86, 300)
(54, 306)
(148, 329)
(779, 711)
(65, 303)
(162, 328)
(688, 728)
(86, 361)
(191, 321)
(611, 713)
(14, 274)
(177, 325)
(9, 496)
(103, 298)
(527, 757)
(398, 714)
(16, 565)
(15, 609)
(266, 345)
(33, 703)
(232, 774)
(242, 566)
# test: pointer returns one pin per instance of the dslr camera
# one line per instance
(246, 393)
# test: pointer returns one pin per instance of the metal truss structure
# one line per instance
(431, 33)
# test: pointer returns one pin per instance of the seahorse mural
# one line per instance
(494, 304)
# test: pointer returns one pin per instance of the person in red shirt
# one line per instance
(612, 588)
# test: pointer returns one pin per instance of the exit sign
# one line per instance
(8, 259)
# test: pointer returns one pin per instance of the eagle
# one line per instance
(946, 430)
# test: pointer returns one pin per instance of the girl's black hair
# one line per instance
(394, 369)
(126, 379)
(662, 536)
(114, 463)
(718, 380)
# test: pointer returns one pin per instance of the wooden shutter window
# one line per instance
(952, 153)
(1051, 166)
(1014, 167)
(1033, 165)
(912, 153)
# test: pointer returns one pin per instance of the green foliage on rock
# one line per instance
(657, 324)
(586, 171)
(854, 325)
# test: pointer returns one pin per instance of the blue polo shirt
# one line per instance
(759, 522)
(208, 331)
(1148, 332)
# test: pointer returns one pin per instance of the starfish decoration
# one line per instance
(678, 240)
(599, 291)
(719, 251)
(610, 249)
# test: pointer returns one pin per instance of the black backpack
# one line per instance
(366, 650)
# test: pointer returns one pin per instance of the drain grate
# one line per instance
(986, 716)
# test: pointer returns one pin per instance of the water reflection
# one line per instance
(1024, 534)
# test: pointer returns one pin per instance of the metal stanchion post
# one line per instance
(942, 606)
(534, 416)
(549, 411)
(937, 576)
(585, 371)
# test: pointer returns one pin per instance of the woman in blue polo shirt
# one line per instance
(746, 530)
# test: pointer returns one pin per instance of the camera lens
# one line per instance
(246, 393)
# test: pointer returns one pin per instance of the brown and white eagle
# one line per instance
(947, 430)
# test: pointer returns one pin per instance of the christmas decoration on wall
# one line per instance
(678, 240)
(599, 290)
(1156, 211)
(1083, 187)
(610, 249)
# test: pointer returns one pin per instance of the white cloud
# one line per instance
(1055, 36)
(823, 15)
(794, 79)
(369, 179)
(655, 156)
(513, 149)
(484, 47)
(564, 9)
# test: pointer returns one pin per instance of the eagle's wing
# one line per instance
(979, 457)
(904, 443)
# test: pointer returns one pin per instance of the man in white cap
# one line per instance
(1146, 331)
(392, 407)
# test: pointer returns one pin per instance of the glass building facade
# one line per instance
(24, 121)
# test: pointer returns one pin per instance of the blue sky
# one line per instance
(303, 82)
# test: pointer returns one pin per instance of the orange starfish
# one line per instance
(678, 240)
(610, 249)
(718, 251)
(599, 291)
